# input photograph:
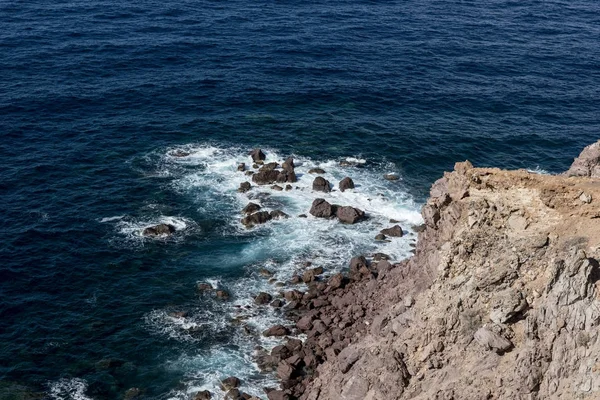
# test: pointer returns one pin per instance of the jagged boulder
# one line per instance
(256, 219)
(394, 231)
(320, 184)
(265, 177)
(159, 230)
(257, 155)
(349, 215)
(244, 187)
(322, 209)
(346, 183)
(251, 208)
(587, 163)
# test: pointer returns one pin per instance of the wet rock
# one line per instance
(244, 187)
(346, 183)
(241, 167)
(277, 303)
(159, 230)
(288, 165)
(288, 188)
(277, 187)
(287, 176)
(321, 209)
(394, 231)
(268, 167)
(266, 177)
(179, 153)
(222, 294)
(349, 215)
(178, 314)
(320, 184)
(132, 393)
(263, 298)
(204, 287)
(318, 171)
(265, 273)
(257, 218)
(276, 330)
(380, 256)
(251, 208)
(380, 236)
(391, 177)
(203, 395)
(285, 371)
(296, 279)
(230, 383)
(302, 216)
(278, 214)
(257, 155)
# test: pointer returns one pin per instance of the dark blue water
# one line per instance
(94, 94)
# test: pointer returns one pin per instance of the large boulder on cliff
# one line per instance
(587, 163)
(257, 155)
(265, 177)
(321, 209)
(346, 183)
(159, 230)
(349, 215)
(320, 184)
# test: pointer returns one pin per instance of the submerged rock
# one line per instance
(256, 219)
(159, 230)
(391, 177)
(251, 208)
(318, 171)
(244, 187)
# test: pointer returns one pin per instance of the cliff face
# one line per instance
(500, 301)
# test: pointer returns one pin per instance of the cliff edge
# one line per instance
(500, 301)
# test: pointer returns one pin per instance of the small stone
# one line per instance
(317, 171)
(277, 188)
(241, 167)
(394, 231)
(380, 236)
(391, 177)
(288, 188)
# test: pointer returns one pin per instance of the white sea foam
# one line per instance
(130, 229)
(211, 179)
(69, 389)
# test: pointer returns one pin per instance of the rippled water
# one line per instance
(94, 95)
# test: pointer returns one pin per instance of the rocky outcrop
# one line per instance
(346, 183)
(500, 301)
(320, 184)
(159, 230)
(587, 163)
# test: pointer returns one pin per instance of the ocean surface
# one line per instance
(97, 95)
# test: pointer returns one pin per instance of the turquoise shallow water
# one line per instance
(94, 96)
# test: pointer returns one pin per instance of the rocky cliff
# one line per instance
(500, 300)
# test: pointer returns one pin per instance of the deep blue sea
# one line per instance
(96, 95)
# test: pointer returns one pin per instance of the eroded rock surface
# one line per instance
(500, 300)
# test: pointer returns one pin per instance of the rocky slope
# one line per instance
(500, 300)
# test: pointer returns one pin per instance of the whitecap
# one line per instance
(69, 389)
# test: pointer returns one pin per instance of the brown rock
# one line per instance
(321, 185)
(222, 294)
(318, 171)
(251, 208)
(159, 230)
(346, 183)
(394, 231)
(257, 218)
(276, 330)
(241, 167)
(265, 177)
(203, 395)
(257, 155)
(288, 165)
(263, 298)
(349, 215)
(230, 383)
(587, 163)
(391, 177)
(278, 214)
(321, 209)
(244, 187)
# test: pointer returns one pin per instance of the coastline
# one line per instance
(499, 300)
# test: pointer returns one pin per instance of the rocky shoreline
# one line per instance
(499, 301)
